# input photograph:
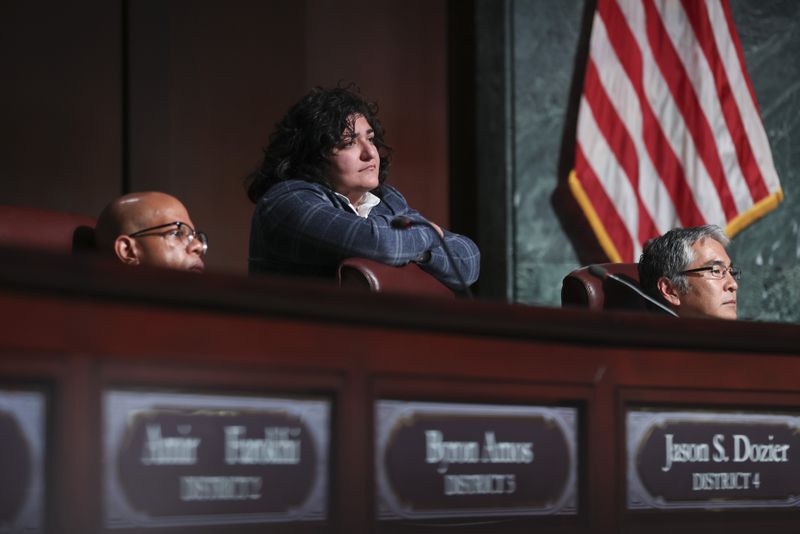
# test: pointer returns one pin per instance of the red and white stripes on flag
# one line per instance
(669, 132)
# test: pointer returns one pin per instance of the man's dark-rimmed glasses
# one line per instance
(717, 271)
(182, 232)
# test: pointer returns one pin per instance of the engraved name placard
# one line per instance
(176, 459)
(712, 460)
(22, 464)
(436, 460)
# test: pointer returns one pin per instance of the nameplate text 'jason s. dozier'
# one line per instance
(744, 450)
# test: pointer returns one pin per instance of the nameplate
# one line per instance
(194, 460)
(712, 460)
(437, 460)
(22, 452)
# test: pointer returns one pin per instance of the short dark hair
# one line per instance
(672, 253)
(305, 137)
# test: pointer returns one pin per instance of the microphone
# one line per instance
(401, 222)
(602, 273)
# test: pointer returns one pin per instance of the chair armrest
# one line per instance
(370, 275)
(45, 229)
(580, 288)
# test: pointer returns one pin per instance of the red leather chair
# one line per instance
(369, 275)
(45, 229)
(583, 289)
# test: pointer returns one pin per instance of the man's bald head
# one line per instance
(163, 247)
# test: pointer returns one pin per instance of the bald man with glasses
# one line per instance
(689, 270)
(151, 228)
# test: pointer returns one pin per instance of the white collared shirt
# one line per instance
(365, 205)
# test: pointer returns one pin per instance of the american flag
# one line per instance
(669, 131)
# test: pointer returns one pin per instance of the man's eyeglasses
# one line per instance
(182, 233)
(717, 271)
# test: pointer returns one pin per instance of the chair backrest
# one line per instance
(370, 275)
(581, 288)
(45, 229)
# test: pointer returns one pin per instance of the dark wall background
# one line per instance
(113, 96)
(60, 102)
(108, 96)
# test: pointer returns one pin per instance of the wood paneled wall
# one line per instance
(180, 96)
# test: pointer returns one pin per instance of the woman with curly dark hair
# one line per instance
(320, 197)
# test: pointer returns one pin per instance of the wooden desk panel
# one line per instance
(81, 327)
